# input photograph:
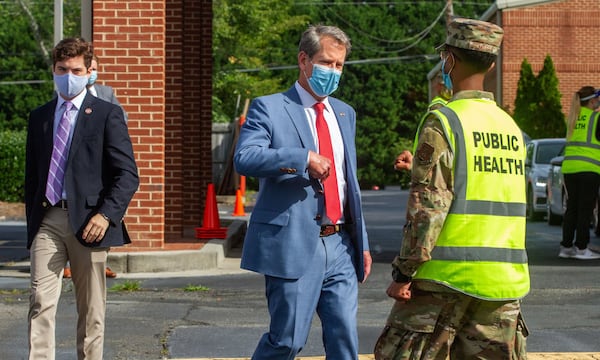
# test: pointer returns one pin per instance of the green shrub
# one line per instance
(12, 165)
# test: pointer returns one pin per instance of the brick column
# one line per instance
(188, 114)
(129, 38)
(174, 121)
(197, 55)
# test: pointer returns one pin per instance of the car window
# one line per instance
(529, 154)
(547, 151)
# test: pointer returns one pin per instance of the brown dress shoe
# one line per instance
(110, 273)
(67, 273)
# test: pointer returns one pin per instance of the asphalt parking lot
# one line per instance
(221, 313)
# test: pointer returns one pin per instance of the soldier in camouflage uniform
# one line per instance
(430, 320)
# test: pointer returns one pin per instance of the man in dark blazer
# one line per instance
(311, 250)
(106, 93)
(80, 177)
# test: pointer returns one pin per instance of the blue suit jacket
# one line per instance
(101, 174)
(284, 226)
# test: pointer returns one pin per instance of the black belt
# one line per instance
(327, 230)
(61, 204)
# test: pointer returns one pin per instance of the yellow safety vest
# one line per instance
(582, 153)
(481, 247)
(438, 100)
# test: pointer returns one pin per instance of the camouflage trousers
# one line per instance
(451, 325)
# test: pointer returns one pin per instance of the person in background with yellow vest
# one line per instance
(442, 93)
(581, 170)
(462, 268)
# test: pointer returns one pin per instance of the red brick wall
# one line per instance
(129, 39)
(158, 57)
(174, 120)
(565, 30)
(157, 54)
(188, 114)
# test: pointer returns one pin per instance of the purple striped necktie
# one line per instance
(58, 163)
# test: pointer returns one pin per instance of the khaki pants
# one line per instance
(52, 246)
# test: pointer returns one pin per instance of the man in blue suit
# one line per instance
(307, 232)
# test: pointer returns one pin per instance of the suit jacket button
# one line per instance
(44, 204)
(318, 217)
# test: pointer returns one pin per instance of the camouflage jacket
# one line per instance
(431, 191)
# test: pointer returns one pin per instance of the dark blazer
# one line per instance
(101, 174)
(284, 226)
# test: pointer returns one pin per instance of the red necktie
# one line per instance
(330, 185)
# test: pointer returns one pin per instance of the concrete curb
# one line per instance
(166, 262)
(209, 257)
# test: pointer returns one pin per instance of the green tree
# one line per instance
(525, 101)
(26, 37)
(24, 75)
(538, 110)
(550, 121)
(384, 79)
(246, 39)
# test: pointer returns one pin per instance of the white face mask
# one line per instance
(69, 85)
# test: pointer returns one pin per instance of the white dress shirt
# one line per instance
(337, 143)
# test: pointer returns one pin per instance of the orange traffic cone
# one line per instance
(211, 226)
(238, 209)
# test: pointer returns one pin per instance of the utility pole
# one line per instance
(58, 21)
(86, 20)
(449, 12)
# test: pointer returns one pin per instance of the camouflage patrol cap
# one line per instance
(475, 35)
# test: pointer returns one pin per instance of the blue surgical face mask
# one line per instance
(69, 85)
(324, 80)
(93, 77)
(446, 76)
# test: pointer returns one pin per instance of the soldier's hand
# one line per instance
(403, 161)
(399, 291)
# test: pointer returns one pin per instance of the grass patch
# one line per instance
(192, 288)
(13, 291)
(127, 285)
